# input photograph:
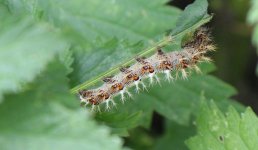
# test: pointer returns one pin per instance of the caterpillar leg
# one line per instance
(93, 108)
(129, 94)
(144, 86)
(151, 76)
(168, 75)
(197, 69)
(122, 96)
(184, 74)
(108, 105)
(157, 80)
(136, 83)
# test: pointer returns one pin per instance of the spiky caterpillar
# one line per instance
(192, 52)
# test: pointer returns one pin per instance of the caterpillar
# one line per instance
(192, 52)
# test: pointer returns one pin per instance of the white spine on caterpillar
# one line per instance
(192, 52)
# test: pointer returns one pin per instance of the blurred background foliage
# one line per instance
(236, 59)
(49, 46)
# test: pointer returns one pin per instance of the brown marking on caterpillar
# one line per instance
(89, 96)
(127, 79)
(125, 69)
(102, 95)
(166, 65)
(184, 60)
(116, 87)
(161, 55)
(136, 77)
(141, 60)
(108, 80)
(93, 101)
(147, 69)
(160, 52)
(86, 93)
(201, 41)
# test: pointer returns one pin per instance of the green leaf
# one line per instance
(46, 116)
(174, 136)
(120, 123)
(66, 57)
(230, 131)
(92, 19)
(192, 14)
(25, 49)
